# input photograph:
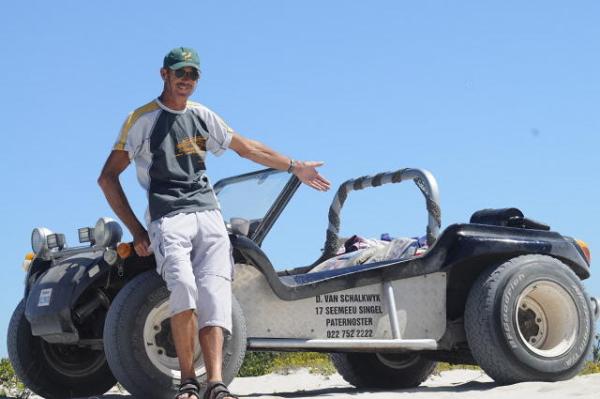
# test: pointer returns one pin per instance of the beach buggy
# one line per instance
(503, 292)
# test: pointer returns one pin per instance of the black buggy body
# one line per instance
(502, 291)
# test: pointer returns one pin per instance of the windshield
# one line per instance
(248, 197)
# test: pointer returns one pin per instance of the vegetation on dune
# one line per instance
(257, 363)
(260, 363)
(9, 383)
(593, 366)
(441, 366)
(596, 350)
(590, 368)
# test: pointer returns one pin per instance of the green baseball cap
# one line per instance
(181, 57)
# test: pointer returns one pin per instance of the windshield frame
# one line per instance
(276, 208)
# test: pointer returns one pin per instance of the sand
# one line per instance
(449, 384)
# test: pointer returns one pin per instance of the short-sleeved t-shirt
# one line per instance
(169, 151)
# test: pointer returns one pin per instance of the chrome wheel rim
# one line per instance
(547, 319)
(159, 345)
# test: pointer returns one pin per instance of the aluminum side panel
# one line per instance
(352, 313)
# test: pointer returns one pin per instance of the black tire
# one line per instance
(383, 371)
(529, 319)
(55, 370)
(126, 347)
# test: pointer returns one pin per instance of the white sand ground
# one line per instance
(450, 384)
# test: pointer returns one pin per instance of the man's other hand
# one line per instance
(141, 243)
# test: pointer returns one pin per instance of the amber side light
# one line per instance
(586, 250)
(124, 249)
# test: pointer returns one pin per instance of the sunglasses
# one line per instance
(181, 73)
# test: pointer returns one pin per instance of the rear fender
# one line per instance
(479, 241)
(53, 295)
(475, 247)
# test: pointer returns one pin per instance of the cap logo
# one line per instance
(186, 55)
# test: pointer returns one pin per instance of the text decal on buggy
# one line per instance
(45, 295)
(349, 315)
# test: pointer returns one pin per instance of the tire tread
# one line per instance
(479, 323)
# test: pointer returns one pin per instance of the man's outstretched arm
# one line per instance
(258, 152)
(113, 191)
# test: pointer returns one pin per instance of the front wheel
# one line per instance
(383, 371)
(139, 346)
(529, 319)
(55, 370)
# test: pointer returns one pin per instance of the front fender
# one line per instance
(38, 266)
(54, 294)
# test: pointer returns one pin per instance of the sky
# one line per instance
(499, 100)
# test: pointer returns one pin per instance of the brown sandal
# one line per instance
(190, 386)
(217, 390)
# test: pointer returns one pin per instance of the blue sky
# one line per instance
(499, 100)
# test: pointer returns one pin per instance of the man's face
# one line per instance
(180, 82)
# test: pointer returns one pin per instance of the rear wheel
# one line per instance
(55, 370)
(529, 319)
(386, 371)
(139, 346)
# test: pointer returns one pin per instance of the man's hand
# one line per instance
(141, 243)
(307, 173)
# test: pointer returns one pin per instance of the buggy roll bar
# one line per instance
(422, 178)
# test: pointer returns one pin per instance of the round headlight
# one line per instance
(39, 242)
(107, 232)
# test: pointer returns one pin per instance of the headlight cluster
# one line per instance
(39, 239)
(107, 232)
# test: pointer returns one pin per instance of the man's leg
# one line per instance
(183, 330)
(214, 315)
(211, 342)
(171, 243)
(213, 268)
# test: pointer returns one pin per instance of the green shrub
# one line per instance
(316, 363)
(593, 366)
(442, 366)
(261, 363)
(8, 379)
(256, 364)
(596, 350)
(590, 368)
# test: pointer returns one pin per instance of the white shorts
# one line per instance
(193, 256)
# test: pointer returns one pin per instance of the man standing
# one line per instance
(168, 138)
